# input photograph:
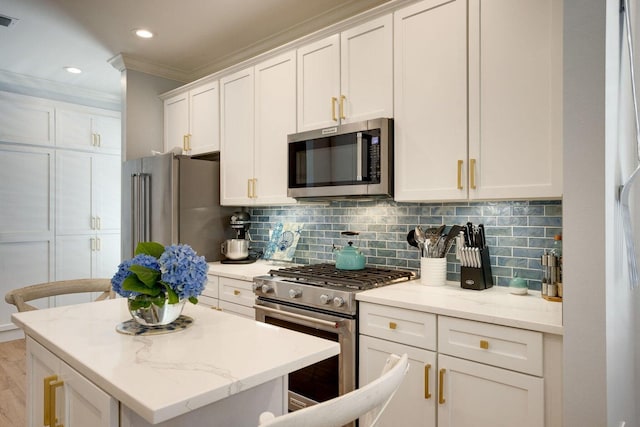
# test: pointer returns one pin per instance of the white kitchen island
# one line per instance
(223, 370)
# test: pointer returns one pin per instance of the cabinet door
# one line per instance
(275, 82)
(74, 210)
(107, 256)
(319, 84)
(107, 173)
(430, 86)
(176, 121)
(25, 120)
(366, 71)
(74, 129)
(74, 260)
(204, 119)
(414, 404)
(85, 404)
(40, 364)
(237, 137)
(476, 395)
(108, 133)
(515, 95)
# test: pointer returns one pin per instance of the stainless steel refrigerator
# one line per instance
(173, 199)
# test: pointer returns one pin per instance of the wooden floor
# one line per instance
(12, 384)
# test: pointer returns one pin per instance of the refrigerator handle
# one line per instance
(135, 211)
(145, 218)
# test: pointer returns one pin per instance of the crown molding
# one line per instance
(123, 61)
(43, 88)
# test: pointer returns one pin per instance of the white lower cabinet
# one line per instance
(476, 375)
(58, 395)
(231, 295)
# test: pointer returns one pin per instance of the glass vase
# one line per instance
(152, 314)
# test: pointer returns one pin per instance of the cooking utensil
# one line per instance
(411, 238)
(420, 238)
(448, 242)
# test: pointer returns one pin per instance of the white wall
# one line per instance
(143, 113)
(601, 381)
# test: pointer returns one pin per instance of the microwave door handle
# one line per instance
(359, 156)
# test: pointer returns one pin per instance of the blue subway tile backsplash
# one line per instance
(518, 232)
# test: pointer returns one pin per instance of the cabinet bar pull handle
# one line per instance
(484, 344)
(93, 222)
(184, 142)
(249, 188)
(46, 404)
(93, 139)
(334, 100)
(93, 244)
(98, 244)
(393, 325)
(441, 387)
(460, 162)
(99, 140)
(189, 142)
(255, 184)
(236, 292)
(53, 385)
(342, 98)
(472, 174)
(98, 223)
(427, 368)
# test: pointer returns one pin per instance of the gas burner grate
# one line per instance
(329, 275)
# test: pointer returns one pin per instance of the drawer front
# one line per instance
(399, 325)
(510, 348)
(241, 310)
(211, 290)
(236, 291)
(208, 301)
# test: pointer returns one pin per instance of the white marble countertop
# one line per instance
(164, 376)
(245, 271)
(493, 305)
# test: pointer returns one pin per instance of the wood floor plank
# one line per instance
(13, 383)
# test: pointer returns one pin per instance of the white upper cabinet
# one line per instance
(25, 120)
(257, 114)
(192, 120)
(505, 142)
(88, 130)
(275, 84)
(430, 82)
(515, 98)
(346, 77)
(236, 126)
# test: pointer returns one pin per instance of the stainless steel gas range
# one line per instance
(320, 300)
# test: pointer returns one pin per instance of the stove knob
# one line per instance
(325, 299)
(266, 289)
(295, 293)
(338, 302)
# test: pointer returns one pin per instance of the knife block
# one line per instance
(478, 278)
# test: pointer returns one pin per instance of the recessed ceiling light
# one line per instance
(73, 70)
(143, 34)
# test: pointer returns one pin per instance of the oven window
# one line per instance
(319, 382)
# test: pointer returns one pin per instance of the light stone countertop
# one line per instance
(219, 355)
(494, 305)
(246, 271)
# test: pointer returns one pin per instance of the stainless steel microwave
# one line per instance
(351, 160)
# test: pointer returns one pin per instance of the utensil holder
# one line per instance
(478, 278)
(433, 271)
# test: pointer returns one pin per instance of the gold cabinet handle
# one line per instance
(94, 139)
(98, 223)
(472, 174)
(255, 184)
(53, 384)
(484, 344)
(342, 98)
(334, 100)
(460, 162)
(99, 139)
(93, 222)
(249, 188)
(236, 292)
(46, 403)
(427, 368)
(98, 244)
(189, 142)
(441, 387)
(393, 325)
(93, 244)
(184, 141)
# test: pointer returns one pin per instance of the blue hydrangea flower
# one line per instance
(124, 272)
(183, 270)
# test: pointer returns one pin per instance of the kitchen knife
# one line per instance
(482, 236)
(469, 229)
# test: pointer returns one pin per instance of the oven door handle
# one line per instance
(299, 316)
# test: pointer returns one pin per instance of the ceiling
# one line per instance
(193, 37)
